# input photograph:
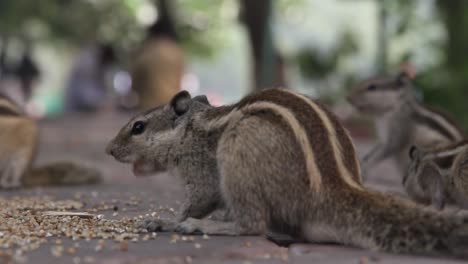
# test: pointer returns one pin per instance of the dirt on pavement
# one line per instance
(83, 138)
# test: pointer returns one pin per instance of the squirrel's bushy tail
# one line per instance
(385, 223)
(61, 173)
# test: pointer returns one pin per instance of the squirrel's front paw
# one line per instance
(189, 226)
(153, 224)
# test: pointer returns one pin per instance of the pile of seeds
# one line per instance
(26, 223)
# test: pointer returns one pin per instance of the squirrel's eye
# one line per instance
(138, 128)
(371, 87)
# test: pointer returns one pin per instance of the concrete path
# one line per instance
(83, 138)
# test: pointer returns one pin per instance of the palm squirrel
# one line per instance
(439, 175)
(278, 162)
(401, 120)
(18, 143)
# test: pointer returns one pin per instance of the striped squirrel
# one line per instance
(18, 144)
(439, 175)
(401, 120)
(278, 162)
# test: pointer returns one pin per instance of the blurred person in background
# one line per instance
(27, 72)
(86, 88)
(158, 65)
(18, 77)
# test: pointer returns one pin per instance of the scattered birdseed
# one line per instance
(89, 259)
(284, 257)
(364, 260)
(71, 250)
(56, 251)
(174, 238)
(59, 213)
(18, 258)
(100, 245)
(123, 246)
(26, 223)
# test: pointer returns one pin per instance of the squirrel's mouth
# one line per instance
(143, 167)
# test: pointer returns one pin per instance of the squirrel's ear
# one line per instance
(413, 152)
(202, 99)
(181, 102)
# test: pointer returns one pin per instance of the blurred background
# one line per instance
(58, 56)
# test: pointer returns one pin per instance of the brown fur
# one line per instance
(248, 159)
(439, 176)
(18, 146)
(61, 173)
(401, 121)
(445, 115)
(18, 142)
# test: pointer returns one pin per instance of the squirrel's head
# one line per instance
(425, 179)
(416, 157)
(146, 140)
(381, 94)
(422, 163)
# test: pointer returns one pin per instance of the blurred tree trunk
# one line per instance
(454, 15)
(382, 38)
(166, 20)
(268, 65)
(158, 65)
(455, 18)
(3, 54)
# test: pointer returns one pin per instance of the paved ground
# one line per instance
(84, 137)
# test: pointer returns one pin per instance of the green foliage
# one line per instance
(283, 5)
(70, 21)
(206, 26)
(446, 85)
(402, 14)
(203, 25)
(316, 64)
(446, 90)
